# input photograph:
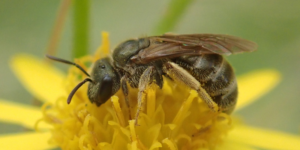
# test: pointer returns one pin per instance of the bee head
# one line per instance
(106, 82)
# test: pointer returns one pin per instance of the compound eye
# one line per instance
(104, 91)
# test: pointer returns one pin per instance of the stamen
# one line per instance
(81, 142)
(132, 130)
(117, 108)
(184, 108)
(134, 145)
(169, 143)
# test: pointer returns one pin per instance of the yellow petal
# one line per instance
(230, 145)
(255, 84)
(103, 50)
(39, 78)
(36, 140)
(20, 114)
(261, 138)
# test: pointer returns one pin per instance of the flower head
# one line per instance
(173, 117)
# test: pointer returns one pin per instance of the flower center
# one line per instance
(173, 117)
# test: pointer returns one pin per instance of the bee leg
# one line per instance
(144, 81)
(125, 92)
(158, 75)
(181, 75)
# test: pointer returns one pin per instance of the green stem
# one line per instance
(174, 11)
(58, 27)
(81, 27)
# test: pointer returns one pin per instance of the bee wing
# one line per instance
(170, 46)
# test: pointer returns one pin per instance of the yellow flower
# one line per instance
(173, 117)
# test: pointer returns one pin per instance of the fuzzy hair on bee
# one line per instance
(195, 60)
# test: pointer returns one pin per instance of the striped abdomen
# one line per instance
(215, 75)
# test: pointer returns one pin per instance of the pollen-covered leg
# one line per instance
(125, 92)
(144, 82)
(181, 75)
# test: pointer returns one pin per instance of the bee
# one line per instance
(196, 60)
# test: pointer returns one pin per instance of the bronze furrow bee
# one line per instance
(193, 59)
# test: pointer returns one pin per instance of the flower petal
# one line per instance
(255, 84)
(34, 140)
(230, 145)
(103, 49)
(265, 139)
(39, 78)
(20, 114)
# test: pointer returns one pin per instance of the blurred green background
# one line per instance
(26, 26)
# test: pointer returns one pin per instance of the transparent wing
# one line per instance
(170, 46)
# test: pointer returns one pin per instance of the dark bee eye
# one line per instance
(102, 66)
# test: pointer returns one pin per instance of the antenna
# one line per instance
(80, 68)
(76, 88)
(67, 62)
